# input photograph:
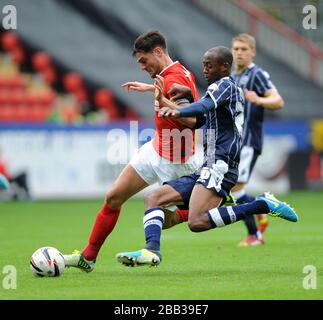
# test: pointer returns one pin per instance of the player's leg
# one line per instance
(248, 158)
(201, 218)
(169, 199)
(153, 221)
(254, 237)
(173, 192)
(107, 217)
(201, 201)
(215, 183)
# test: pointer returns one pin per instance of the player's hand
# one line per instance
(166, 112)
(138, 86)
(252, 97)
(159, 87)
(178, 91)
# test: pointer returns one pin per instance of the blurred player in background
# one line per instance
(161, 159)
(207, 189)
(260, 94)
(16, 185)
(4, 183)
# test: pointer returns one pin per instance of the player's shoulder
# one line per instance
(261, 72)
(221, 84)
(180, 75)
(226, 82)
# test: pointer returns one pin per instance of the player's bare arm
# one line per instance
(166, 112)
(138, 86)
(272, 99)
(178, 91)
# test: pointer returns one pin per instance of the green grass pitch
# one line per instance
(207, 265)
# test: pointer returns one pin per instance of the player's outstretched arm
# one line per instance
(195, 109)
(138, 86)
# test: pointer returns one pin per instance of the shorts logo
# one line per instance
(205, 174)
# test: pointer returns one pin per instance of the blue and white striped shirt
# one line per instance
(222, 106)
(255, 79)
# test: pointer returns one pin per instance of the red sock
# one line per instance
(183, 214)
(103, 226)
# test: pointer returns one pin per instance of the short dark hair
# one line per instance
(148, 41)
(223, 55)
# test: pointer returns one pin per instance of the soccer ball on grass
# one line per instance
(47, 262)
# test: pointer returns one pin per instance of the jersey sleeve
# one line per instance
(219, 93)
(198, 108)
(263, 82)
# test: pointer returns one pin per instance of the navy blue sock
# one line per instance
(246, 198)
(220, 217)
(153, 223)
(249, 221)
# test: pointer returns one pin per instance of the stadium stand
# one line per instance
(96, 42)
(291, 13)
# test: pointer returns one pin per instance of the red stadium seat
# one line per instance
(131, 115)
(5, 96)
(103, 98)
(41, 61)
(16, 82)
(7, 114)
(10, 40)
(72, 82)
(81, 95)
(16, 97)
(21, 113)
(17, 55)
(31, 99)
(46, 99)
(49, 75)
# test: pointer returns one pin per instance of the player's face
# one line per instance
(149, 62)
(212, 69)
(242, 53)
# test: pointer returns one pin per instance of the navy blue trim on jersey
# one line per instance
(254, 79)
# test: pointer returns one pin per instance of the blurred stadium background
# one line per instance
(61, 71)
(61, 111)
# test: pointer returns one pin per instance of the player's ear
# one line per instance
(158, 51)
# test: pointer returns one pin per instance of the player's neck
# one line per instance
(166, 61)
(240, 69)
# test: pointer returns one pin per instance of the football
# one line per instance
(47, 262)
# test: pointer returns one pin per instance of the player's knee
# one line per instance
(113, 199)
(152, 200)
(196, 225)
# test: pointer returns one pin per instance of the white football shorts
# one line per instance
(248, 158)
(152, 168)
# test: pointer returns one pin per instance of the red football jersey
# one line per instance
(173, 140)
(3, 169)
